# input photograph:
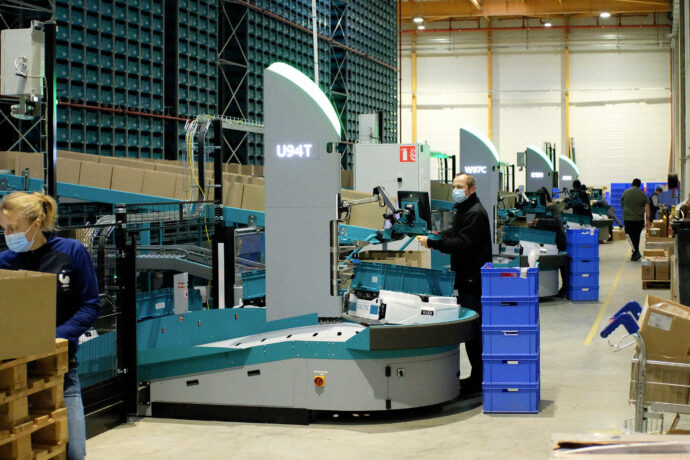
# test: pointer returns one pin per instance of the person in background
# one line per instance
(27, 220)
(653, 206)
(554, 223)
(583, 207)
(634, 203)
(611, 213)
(468, 242)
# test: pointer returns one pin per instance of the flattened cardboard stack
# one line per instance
(665, 328)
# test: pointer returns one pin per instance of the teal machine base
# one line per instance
(234, 365)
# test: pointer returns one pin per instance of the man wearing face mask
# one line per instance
(27, 220)
(468, 242)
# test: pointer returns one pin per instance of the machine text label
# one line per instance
(567, 177)
(475, 169)
(537, 175)
(293, 150)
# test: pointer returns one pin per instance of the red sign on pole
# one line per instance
(408, 153)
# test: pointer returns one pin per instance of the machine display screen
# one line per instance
(294, 151)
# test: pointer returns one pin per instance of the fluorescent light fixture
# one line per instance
(547, 23)
(308, 86)
(418, 19)
(605, 14)
(421, 27)
(476, 4)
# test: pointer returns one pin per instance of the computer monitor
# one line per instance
(422, 201)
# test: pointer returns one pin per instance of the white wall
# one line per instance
(620, 114)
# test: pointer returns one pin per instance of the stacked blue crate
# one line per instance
(582, 246)
(510, 337)
(617, 189)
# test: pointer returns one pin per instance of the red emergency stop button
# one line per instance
(319, 381)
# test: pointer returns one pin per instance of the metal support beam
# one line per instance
(490, 84)
(444, 9)
(414, 88)
(51, 108)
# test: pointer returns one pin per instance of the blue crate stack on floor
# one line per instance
(510, 338)
(582, 246)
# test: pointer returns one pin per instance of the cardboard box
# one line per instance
(649, 253)
(368, 215)
(127, 179)
(253, 197)
(441, 191)
(674, 279)
(68, 170)
(182, 187)
(660, 243)
(654, 232)
(8, 160)
(169, 168)
(27, 310)
(419, 259)
(662, 269)
(647, 269)
(232, 168)
(232, 177)
(159, 184)
(233, 193)
(259, 170)
(94, 174)
(347, 179)
(247, 170)
(31, 161)
(665, 328)
(661, 226)
(664, 383)
(618, 234)
(76, 156)
(255, 180)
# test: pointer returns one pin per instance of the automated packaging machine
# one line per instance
(300, 353)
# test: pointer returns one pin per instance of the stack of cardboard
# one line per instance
(419, 259)
(659, 228)
(656, 265)
(666, 243)
(665, 329)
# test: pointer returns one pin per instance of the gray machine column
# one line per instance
(539, 170)
(302, 186)
(479, 157)
(567, 172)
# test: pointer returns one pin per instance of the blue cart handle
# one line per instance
(625, 319)
(633, 307)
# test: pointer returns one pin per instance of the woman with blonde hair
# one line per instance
(28, 220)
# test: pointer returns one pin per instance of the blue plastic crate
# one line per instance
(522, 398)
(581, 280)
(504, 340)
(253, 284)
(517, 234)
(583, 293)
(374, 277)
(510, 311)
(583, 251)
(510, 368)
(582, 236)
(155, 303)
(509, 282)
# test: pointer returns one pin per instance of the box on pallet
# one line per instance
(667, 244)
(27, 310)
(662, 269)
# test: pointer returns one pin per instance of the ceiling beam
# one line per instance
(443, 9)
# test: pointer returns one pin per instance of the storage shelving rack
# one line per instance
(110, 56)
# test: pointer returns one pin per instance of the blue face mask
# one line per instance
(17, 242)
(459, 195)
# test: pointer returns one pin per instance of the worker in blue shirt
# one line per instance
(27, 220)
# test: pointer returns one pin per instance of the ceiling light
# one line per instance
(418, 19)
(605, 14)
(421, 27)
(547, 23)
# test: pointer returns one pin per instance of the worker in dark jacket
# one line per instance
(468, 242)
(554, 223)
(634, 203)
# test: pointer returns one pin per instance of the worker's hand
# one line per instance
(423, 240)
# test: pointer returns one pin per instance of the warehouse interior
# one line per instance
(271, 195)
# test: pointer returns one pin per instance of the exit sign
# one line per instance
(408, 153)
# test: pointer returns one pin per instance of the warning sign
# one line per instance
(408, 153)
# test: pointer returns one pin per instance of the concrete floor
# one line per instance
(584, 389)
